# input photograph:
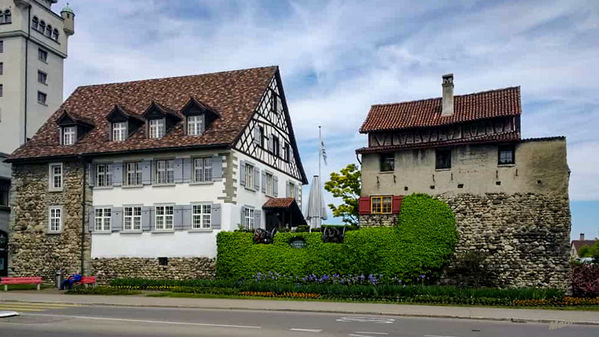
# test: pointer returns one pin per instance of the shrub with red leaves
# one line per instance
(585, 280)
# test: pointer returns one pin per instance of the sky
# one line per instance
(337, 58)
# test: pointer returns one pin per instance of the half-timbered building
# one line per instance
(126, 177)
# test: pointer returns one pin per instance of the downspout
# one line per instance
(26, 69)
(83, 213)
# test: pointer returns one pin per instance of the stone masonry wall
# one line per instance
(32, 250)
(378, 220)
(177, 268)
(526, 236)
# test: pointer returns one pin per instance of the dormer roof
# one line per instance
(67, 119)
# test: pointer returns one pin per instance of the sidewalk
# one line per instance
(499, 314)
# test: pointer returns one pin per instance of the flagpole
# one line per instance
(319, 187)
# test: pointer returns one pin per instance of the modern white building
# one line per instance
(166, 164)
(33, 46)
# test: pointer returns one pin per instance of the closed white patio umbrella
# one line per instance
(316, 209)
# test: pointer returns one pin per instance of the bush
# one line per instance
(585, 280)
(421, 244)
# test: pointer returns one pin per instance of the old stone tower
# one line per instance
(509, 195)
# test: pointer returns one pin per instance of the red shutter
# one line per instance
(364, 205)
(396, 205)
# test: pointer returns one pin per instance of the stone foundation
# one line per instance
(177, 268)
(378, 220)
(526, 236)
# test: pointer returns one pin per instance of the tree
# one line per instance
(346, 185)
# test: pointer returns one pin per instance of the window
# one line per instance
(291, 190)
(201, 216)
(1, 68)
(42, 77)
(156, 128)
(4, 190)
(55, 219)
(7, 16)
(1, 46)
(506, 155)
(286, 152)
(41, 97)
(195, 125)
(263, 139)
(248, 218)
(55, 177)
(42, 27)
(69, 135)
(34, 23)
(387, 162)
(164, 218)
(103, 175)
(55, 34)
(42, 55)
(270, 186)
(132, 217)
(275, 146)
(443, 159)
(165, 173)
(381, 204)
(132, 174)
(102, 219)
(249, 175)
(202, 169)
(119, 131)
(1, 90)
(49, 30)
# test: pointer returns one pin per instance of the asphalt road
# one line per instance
(64, 320)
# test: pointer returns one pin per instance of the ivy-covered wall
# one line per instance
(422, 243)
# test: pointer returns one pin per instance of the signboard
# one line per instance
(297, 243)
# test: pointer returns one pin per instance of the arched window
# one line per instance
(7, 16)
(55, 34)
(34, 22)
(42, 26)
(48, 30)
(1, 17)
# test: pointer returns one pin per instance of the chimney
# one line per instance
(581, 236)
(447, 102)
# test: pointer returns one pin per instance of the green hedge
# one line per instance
(421, 244)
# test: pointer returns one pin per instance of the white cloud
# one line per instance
(339, 57)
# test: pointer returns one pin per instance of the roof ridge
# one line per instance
(174, 77)
(437, 98)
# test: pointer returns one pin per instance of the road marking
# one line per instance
(356, 335)
(437, 336)
(306, 330)
(372, 333)
(363, 319)
(149, 321)
(19, 309)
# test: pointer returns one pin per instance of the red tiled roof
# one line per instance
(506, 137)
(232, 94)
(278, 203)
(581, 243)
(427, 112)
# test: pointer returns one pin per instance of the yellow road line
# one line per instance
(53, 305)
(19, 309)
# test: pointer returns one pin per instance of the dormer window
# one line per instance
(69, 135)
(195, 125)
(119, 131)
(157, 128)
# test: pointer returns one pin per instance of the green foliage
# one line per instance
(102, 291)
(346, 185)
(421, 244)
(590, 251)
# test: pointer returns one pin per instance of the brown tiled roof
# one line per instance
(427, 112)
(581, 243)
(232, 94)
(278, 203)
(506, 137)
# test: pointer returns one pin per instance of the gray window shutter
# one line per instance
(91, 174)
(186, 214)
(287, 189)
(241, 215)
(271, 144)
(263, 181)
(116, 220)
(256, 179)
(257, 218)
(117, 173)
(242, 172)
(275, 185)
(216, 216)
(178, 225)
(186, 170)
(257, 134)
(146, 172)
(178, 170)
(146, 218)
(217, 167)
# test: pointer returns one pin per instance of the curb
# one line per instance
(353, 312)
